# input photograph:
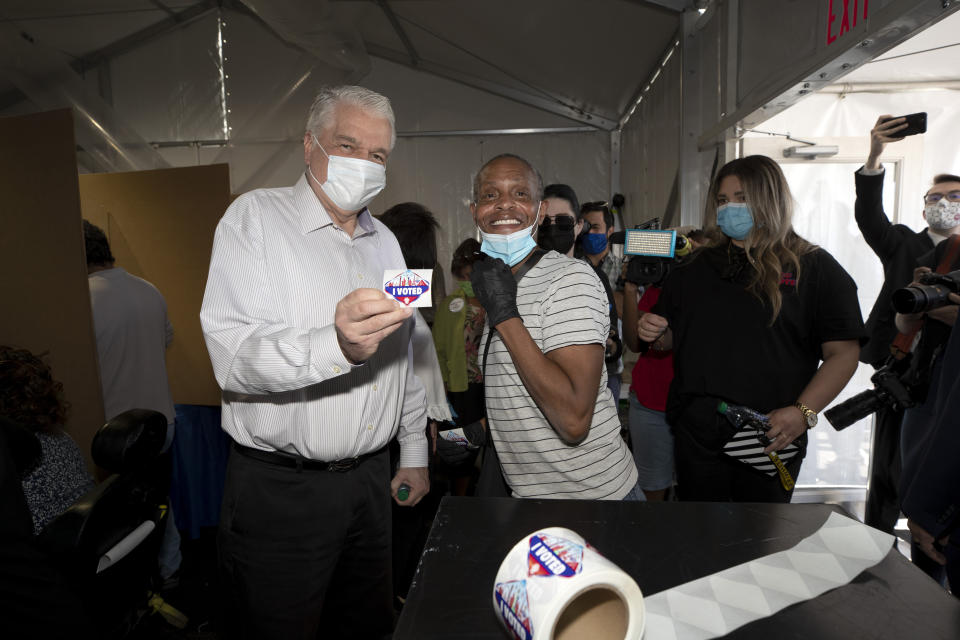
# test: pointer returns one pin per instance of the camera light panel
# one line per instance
(650, 242)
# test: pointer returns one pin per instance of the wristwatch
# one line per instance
(809, 415)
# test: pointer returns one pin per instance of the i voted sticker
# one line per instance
(455, 436)
(514, 608)
(409, 287)
(553, 556)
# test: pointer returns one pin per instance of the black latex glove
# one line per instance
(496, 288)
(476, 435)
(454, 450)
(453, 453)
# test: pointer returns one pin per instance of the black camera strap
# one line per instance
(491, 483)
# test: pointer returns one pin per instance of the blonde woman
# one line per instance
(750, 319)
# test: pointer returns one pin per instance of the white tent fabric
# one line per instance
(233, 83)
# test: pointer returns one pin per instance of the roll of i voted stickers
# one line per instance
(553, 584)
(409, 287)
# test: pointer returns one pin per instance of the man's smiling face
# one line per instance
(507, 199)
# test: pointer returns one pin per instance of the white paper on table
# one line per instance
(715, 605)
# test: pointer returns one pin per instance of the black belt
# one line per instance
(293, 461)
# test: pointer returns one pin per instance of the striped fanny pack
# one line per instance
(747, 446)
(750, 439)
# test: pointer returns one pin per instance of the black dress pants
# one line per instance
(305, 554)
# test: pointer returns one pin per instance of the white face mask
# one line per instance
(352, 183)
(942, 215)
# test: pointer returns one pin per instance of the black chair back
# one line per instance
(88, 539)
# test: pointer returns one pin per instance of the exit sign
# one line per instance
(842, 15)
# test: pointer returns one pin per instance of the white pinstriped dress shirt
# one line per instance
(278, 269)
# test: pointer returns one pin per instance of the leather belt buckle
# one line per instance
(340, 466)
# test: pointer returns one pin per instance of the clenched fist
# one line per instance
(496, 288)
(651, 326)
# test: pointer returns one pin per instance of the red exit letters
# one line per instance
(847, 19)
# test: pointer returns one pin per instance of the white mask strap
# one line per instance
(314, 136)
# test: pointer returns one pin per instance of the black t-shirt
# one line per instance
(723, 344)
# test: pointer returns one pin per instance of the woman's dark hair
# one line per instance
(29, 395)
(463, 256)
(97, 247)
(415, 229)
(598, 206)
(564, 192)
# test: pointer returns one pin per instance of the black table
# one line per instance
(662, 545)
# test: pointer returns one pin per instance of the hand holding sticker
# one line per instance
(409, 287)
(363, 318)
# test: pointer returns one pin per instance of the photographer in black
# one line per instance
(898, 247)
(749, 318)
(652, 374)
(931, 491)
(934, 326)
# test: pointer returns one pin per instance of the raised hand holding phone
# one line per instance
(892, 129)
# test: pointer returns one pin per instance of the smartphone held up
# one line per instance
(916, 123)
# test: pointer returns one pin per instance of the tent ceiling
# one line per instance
(81, 27)
(565, 56)
(590, 58)
(931, 55)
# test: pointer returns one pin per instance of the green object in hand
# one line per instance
(403, 492)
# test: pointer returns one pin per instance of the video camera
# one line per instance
(932, 292)
(653, 252)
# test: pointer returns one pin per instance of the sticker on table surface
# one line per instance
(553, 556)
(409, 287)
(514, 608)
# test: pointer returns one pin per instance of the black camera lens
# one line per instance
(853, 409)
(920, 298)
(932, 292)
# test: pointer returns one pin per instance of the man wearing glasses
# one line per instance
(898, 248)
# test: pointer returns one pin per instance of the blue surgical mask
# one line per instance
(594, 243)
(735, 219)
(511, 247)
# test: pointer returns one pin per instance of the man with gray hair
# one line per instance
(313, 361)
